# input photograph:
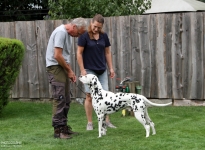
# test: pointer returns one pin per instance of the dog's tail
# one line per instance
(155, 104)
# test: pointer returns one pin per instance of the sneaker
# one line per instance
(110, 125)
(89, 126)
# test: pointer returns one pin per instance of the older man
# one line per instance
(59, 72)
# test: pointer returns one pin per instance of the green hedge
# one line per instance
(11, 56)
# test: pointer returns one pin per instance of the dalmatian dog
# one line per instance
(105, 102)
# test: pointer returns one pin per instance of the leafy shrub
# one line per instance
(11, 55)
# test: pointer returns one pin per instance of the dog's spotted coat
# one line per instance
(105, 102)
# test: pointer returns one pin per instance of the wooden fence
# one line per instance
(164, 52)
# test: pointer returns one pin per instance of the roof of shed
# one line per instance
(161, 6)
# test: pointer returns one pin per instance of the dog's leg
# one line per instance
(104, 126)
(153, 128)
(150, 122)
(140, 116)
(100, 125)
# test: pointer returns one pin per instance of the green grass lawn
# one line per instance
(27, 126)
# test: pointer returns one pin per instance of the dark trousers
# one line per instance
(61, 94)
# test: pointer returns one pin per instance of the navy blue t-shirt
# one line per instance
(94, 51)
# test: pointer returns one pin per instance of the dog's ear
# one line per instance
(97, 82)
(93, 80)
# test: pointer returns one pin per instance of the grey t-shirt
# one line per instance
(59, 38)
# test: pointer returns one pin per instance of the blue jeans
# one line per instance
(102, 78)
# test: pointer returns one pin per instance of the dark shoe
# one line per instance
(69, 131)
(61, 133)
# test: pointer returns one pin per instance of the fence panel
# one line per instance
(204, 53)
(176, 56)
(108, 29)
(32, 66)
(21, 34)
(144, 55)
(135, 49)
(197, 56)
(125, 55)
(160, 55)
(42, 41)
(168, 53)
(115, 47)
(154, 91)
(186, 55)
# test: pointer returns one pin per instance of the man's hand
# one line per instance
(71, 76)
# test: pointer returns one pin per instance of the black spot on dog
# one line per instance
(107, 103)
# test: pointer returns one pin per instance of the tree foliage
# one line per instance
(23, 10)
(63, 9)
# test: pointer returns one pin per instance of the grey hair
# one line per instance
(79, 22)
